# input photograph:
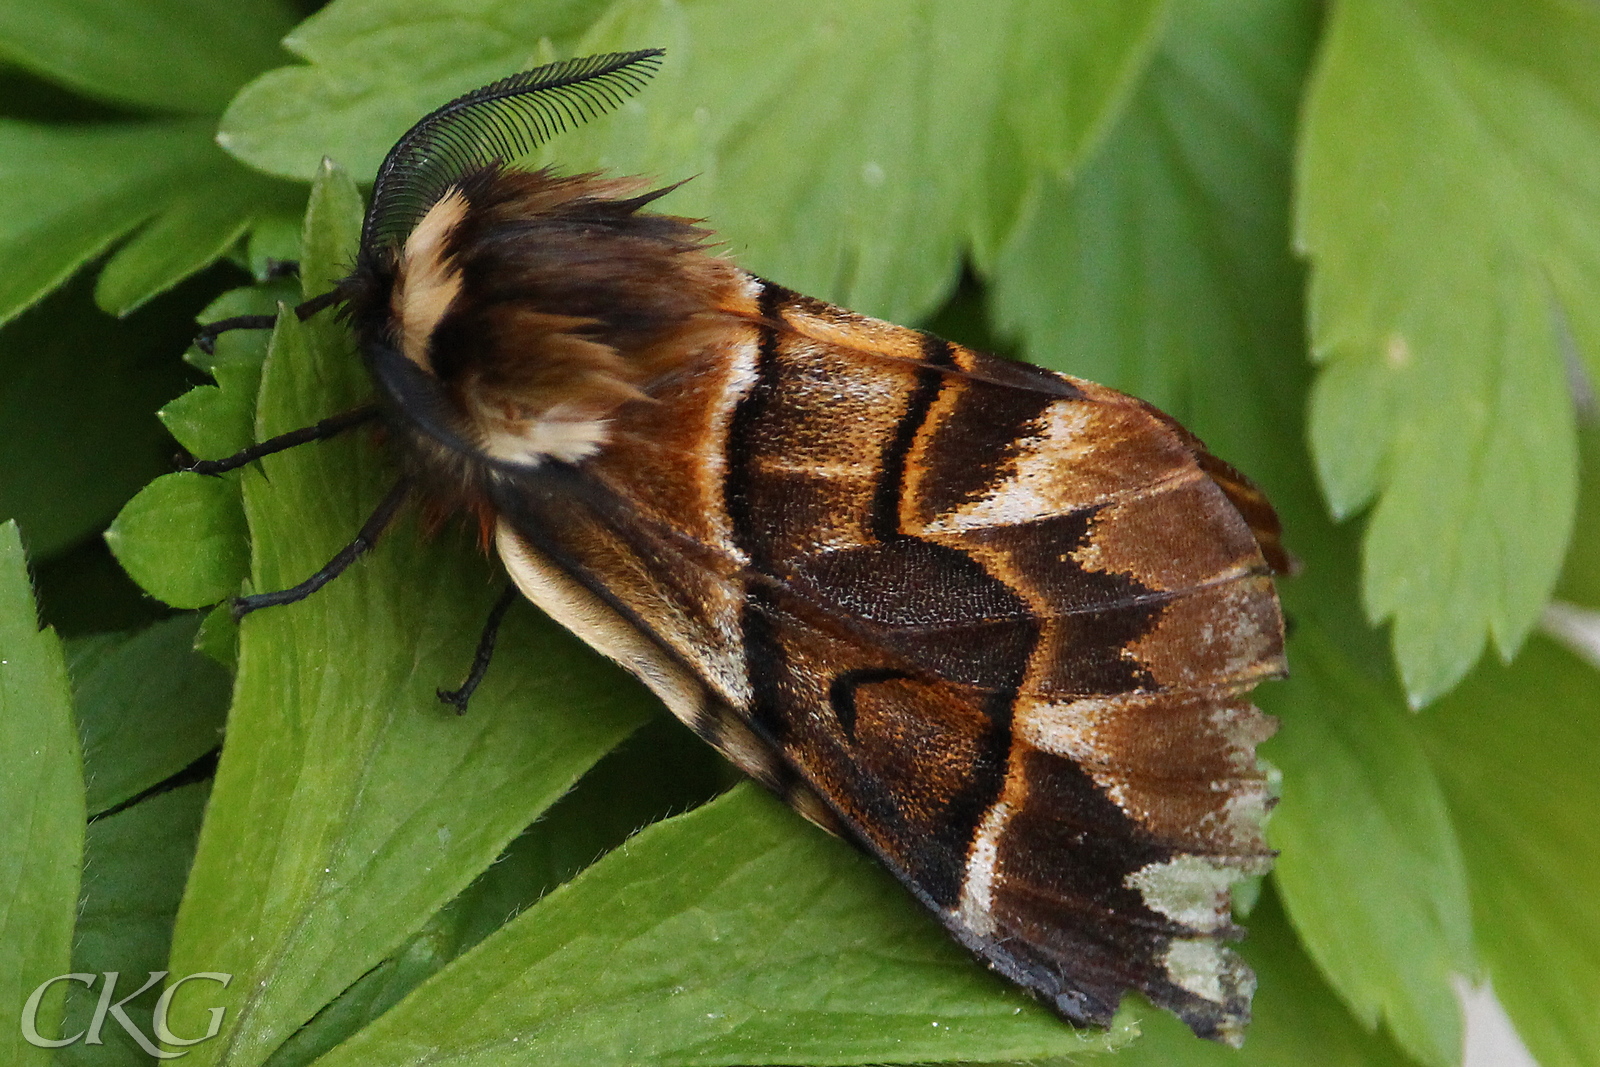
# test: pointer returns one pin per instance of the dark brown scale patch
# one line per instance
(1089, 617)
(1018, 375)
(908, 583)
(892, 473)
(974, 442)
(744, 437)
(932, 604)
(1038, 557)
(764, 655)
(768, 667)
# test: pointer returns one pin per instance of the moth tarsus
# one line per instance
(991, 623)
(368, 536)
(459, 697)
(206, 339)
(328, 427)
(321, 302)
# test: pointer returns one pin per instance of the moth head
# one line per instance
(507, 313)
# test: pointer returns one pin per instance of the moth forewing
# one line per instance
(992, 623)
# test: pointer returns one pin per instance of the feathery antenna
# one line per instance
(501, 121)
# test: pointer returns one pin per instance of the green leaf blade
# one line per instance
(76, 392)
(1448, 187)
(1516, 750)
(824, 157)
(41, 806)
(1370, 866)
(215, 210)
(73, 190)
(168, 55)
(1164, 268)
(1296, 1018)
(148, 705)
(803, 143)
(734, 935)
(135, 862)
(376, 66)
(184, 539)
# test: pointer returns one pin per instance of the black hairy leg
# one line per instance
(206, 339)
(331, 426)
(480, 660)
(364, 540)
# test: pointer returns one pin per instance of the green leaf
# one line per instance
(184, 539)
(349, 805)
(736, 934)
(1296, 1018)
(659, 771)
(70, 191)
(1448, 189)
(1370, 867)
(215, 421)
(332, 231)
(327, 36)
(135, 862)
(275, 239)
(148, 706)
(41, 808)
(198, 229)
(1580, 577)
(855, 151)
(73, 190)
(76, 392)
(1517, 749)
(247, 348)
(377, 67)
(219, 637)
(175, 55)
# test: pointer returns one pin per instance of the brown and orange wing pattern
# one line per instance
(993, 623)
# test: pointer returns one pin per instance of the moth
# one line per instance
(993, 624)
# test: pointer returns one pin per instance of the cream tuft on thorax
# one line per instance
(428, 280)
(563, 432)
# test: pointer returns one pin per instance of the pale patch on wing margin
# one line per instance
(976, 907)
(1201, 966)
(428, 280)
(1192, 889)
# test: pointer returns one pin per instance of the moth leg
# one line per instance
(331, 426)
(206, 339)
(480, 659)
(364, 540)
